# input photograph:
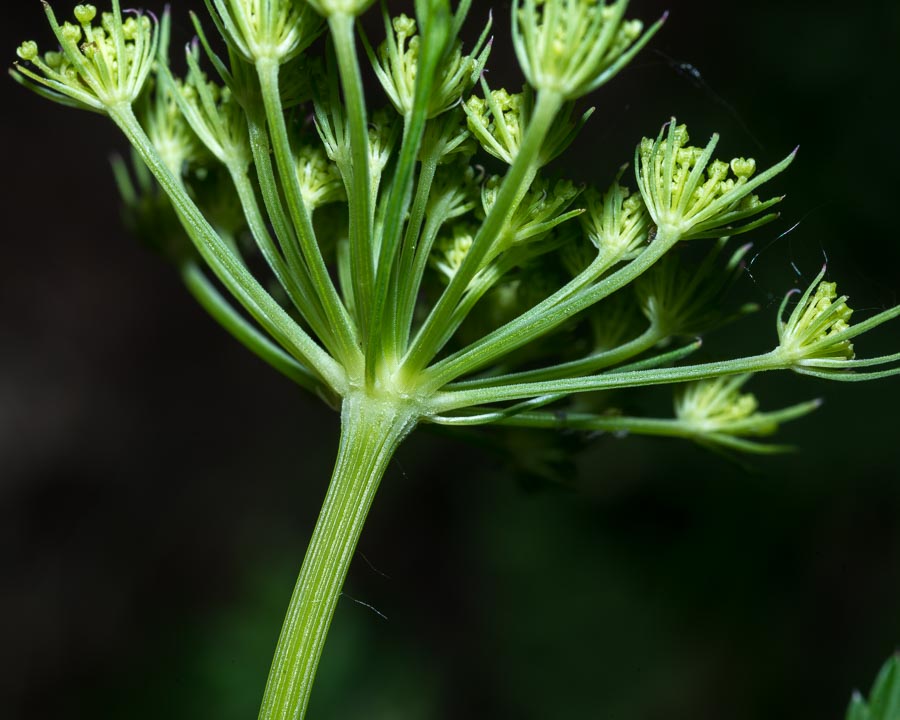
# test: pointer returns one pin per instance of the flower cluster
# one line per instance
(689, 195)
(499, 121)
(574, 47)
(816, 339)
(397, 60)
(320, 180)
(541, 210)
(98, 66)
(616, 223)
(266, 30)
(715, 412)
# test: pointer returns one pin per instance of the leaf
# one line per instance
(884, 700)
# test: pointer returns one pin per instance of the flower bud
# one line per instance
(28, 50)
(268, 30)
(85, 14)
(571, 47)
(109, 68)
(689, 195)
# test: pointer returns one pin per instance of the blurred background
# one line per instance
(158, 484)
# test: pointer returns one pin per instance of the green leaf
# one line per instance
(884, 700)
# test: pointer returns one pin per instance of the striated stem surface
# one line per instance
(371, 431)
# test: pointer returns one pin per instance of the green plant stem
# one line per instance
(359, 197)
(371, 430)
(454, 400)
(543, 317)
(592, 363)
(345, 331)
(516, 182)
(405, 300)
(386, 277)
(227, 267)
(389, 284)
(206, 294)
(296, 285)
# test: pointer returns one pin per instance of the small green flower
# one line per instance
(616, 223)
(396, 65)
(715, 412)
(383, 134)
(541, 210)
(160, 116)
(451, 250)
(320, 180)
(331, 125)
(816, 338)
(276, 30)
(571, 47)
(690, 197)
(98, 67)
(214, 114)
(170, 133)
(818, 326)
(499, 120)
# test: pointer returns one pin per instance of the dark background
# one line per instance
(158, 484)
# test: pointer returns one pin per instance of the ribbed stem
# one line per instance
(371, 430)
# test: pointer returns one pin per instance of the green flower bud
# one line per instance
(571, 47)
(714, 405)
(817, 337)
(715, 413)
(499, 120)
(214, 115)
(85, 14)
(320, 180)
(616, 223)
(97, 67)
(276, 30)
(689, 196)
(451, 251)
(818, 327)
(540, 211)
(28, 50)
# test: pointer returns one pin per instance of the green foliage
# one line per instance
(884, 698)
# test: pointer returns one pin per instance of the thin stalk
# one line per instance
(223, 262)
(359, 197)
(371, 431)
(385, 291)
(389, 283)
(542, 318)
(296, 284)
(517, 180)
(211, 300)
(592, 363)
(405, 300)
(434, 221)
(446, 401)
(345, 330)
